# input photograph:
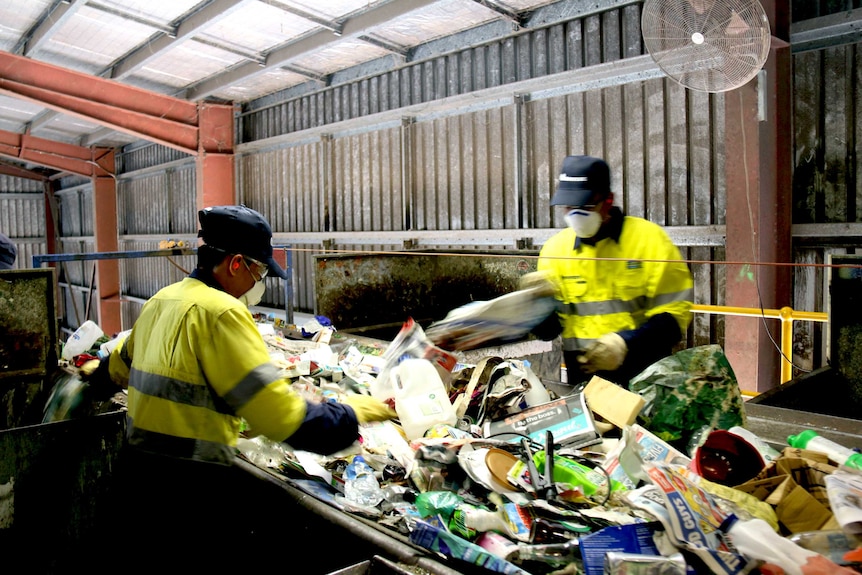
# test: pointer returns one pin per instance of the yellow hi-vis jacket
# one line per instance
(642, 277)
(195, 364)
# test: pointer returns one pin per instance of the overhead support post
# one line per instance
(759, 207)
(105, 227)
(216, 169)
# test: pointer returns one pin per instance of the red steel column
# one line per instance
(106, 231)
(216, 172)
(758, 145)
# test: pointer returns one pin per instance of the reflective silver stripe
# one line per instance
(180, 447)
(666, 298)
(256, 380)
(576, 343)
(172, 389)
(606, 307)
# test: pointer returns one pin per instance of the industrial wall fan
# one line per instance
(707, 45)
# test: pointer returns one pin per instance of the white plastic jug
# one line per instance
(421, 400)
(82, 340)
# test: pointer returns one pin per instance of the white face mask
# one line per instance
(254, 295)
(586, 223)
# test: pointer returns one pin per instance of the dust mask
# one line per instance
(254, 295)
(585, 223)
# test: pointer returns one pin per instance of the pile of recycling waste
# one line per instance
(488, 466)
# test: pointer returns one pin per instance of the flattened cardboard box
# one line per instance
(794, 485)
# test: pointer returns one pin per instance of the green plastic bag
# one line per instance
(689, 394)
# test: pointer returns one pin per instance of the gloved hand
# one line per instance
(369, 409)
(606, 354)
(540, 281)
(100, 386)
(88, 369)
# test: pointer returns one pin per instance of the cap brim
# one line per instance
(571, 196)
(276, 269)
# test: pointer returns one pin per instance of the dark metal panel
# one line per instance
(633, 181)
(836, 144)
(656, 150)
(677, 197)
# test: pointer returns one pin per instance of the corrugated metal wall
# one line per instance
(826, 178)
(22, 217)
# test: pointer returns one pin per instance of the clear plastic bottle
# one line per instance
(832, 543)
(360, 484)
(809, 439)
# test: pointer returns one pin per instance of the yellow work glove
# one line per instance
(369, 409)
(605, 354)
(88, 369)
(540, 281)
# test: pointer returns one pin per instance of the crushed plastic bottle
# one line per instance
(360, 484)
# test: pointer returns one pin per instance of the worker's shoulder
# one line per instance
(195, 293)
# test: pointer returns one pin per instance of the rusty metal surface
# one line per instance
(360, 290)
(28, 337)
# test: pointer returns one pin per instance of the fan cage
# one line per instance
(707, 45)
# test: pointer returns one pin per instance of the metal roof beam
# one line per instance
(126, 15)
(332, 26)
(188, 28)
(826, 31)
(55, 155)
(353, 27)
(142, 113)
(388, 46)
(16, 171)
(53, 19)
(516, 19)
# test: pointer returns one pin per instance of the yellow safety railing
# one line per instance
(787, 315)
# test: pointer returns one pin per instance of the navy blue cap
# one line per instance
(239, 230)
(8, 253)
(584, 180)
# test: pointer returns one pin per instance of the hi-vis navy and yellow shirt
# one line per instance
(196, 363)
(642, 291)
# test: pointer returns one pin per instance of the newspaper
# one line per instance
(690, 516)
(844, 490)
(505, 318)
